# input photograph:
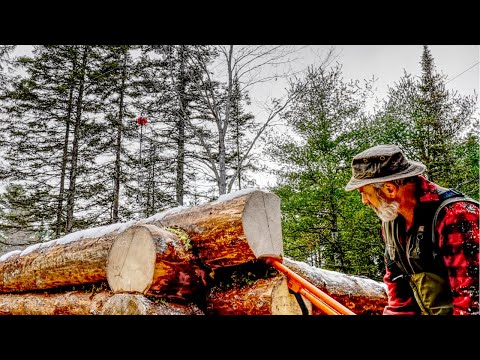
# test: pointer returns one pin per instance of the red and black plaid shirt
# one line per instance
(458, 230)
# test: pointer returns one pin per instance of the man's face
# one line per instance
(374, 197)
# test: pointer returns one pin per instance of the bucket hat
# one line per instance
(381, 163)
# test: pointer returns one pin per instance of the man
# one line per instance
(430, 269)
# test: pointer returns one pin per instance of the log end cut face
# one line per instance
(262, 225)
(131, 261)
(285, 303)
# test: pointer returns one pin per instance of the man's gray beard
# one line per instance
(387, 211)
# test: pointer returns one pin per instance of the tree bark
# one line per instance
(65, 303)
(233, 230)
(361, 295)
(150, 260)
(135, 304)
(267, 296)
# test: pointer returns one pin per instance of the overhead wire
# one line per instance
(478, 62)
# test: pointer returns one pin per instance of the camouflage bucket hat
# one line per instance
(381, 163)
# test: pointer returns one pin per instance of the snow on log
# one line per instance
(64, 303)
(56, 264)
(149, 260)
(266, 296)
(136, 304)
(361, 295)
(235, 229)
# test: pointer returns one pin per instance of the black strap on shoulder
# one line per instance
(444, 193)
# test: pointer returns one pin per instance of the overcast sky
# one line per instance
(387, 64)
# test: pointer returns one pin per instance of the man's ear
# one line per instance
(390, 189)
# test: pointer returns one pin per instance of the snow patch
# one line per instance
(234, 194)
(159, 216)
(9, 254)
(333, 277)
(82, 234)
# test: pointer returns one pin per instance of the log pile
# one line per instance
(203, 260)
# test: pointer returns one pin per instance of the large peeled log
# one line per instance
(149, 260)
(135, 304)
(232, 230)
(56, 264)
(266, 296)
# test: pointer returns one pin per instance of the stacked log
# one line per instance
(203, 260)
(44, 303)
(359, 294)
(235, 229)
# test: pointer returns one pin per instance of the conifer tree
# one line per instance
(428, 121)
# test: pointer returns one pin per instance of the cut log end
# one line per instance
(262, 225)
(131, 261)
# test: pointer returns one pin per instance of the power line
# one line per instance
(463, 72)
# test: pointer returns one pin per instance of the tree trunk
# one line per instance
(65, 303)
(135, 304)
(267, 296)
(118, 145)
(149, 260)
(75, 145)
(68, 119)
(233, 230)
(361, 295)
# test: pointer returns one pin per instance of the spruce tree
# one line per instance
(426, 120)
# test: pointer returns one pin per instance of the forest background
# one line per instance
(75, 153)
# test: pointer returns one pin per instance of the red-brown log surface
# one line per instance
(63, 303)
(136, 304)
(266, 296)
(76, 262)
(361, 295)
(149, 260)
(233, 230)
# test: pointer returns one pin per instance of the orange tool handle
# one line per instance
(324, 302)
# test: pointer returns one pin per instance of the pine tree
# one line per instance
(428, 121)
(237, 142)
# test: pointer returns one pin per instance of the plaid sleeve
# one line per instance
(458, 240)
(400, 297)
